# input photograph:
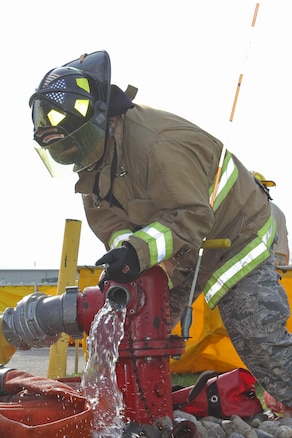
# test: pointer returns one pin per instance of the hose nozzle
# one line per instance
(38, 319)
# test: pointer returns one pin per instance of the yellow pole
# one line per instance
(67, 277)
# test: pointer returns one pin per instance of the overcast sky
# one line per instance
(185, 57)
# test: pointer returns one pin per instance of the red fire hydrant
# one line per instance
(143, 367)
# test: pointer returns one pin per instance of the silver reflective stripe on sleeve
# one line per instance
(159, 240)
(119, 237)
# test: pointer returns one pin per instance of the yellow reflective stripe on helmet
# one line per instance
(83, 83)
(229, 175)
(82, 105)
(240, 265)
(55, 117)
(118, 238)
(159, 240)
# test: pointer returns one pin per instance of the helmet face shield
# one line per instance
(74, 152)
(45, 114)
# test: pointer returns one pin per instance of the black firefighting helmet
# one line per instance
(70, 112)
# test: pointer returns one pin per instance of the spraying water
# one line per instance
(99, 383)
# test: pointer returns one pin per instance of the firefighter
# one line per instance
(281, 248)
(146, 178)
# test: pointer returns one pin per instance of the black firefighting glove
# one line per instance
(122, 265)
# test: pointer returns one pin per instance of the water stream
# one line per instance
(98, 382)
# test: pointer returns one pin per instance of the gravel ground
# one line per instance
(265, 425)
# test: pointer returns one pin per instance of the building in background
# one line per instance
(28, 276)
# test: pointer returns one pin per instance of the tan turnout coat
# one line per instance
(165, 168)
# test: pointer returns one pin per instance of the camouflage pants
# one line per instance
(254, 313)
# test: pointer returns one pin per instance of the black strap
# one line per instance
(113, 175)
(112, 200)
(214, 405)
(196, 389)
(200, 384)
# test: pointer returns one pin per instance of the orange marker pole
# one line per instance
(231, 118)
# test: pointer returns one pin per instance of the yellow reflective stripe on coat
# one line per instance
(159, 240)
(118, 238)
(240, 265)
(229, 175)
